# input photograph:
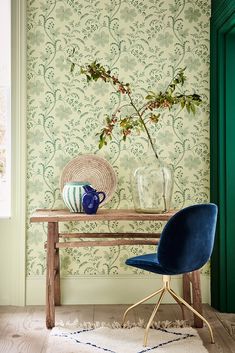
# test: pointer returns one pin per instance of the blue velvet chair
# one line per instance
(185, 245)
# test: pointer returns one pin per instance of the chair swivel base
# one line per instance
(165, 289)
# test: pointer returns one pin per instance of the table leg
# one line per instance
(197, 297)
(57, 268)
(186, 288)
(50, 279)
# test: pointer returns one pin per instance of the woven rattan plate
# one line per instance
(93, 169)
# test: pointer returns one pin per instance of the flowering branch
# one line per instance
(147, 113)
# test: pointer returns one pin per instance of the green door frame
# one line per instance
(222, 152)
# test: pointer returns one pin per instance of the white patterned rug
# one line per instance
(124, 340)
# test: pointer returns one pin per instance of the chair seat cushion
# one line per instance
(148, 262)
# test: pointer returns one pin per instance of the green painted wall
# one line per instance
(144, 42)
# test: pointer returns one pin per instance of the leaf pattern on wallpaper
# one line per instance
(144, 42)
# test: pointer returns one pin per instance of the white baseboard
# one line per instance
(107, 289)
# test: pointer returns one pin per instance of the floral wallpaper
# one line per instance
(144, 42)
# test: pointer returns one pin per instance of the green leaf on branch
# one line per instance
(101, 142)
(154, 118)
(155, 102)
(151, 95)
(182, 103)
(193, 109)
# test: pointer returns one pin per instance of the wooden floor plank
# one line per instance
(224, 343)
(71, 313)
(228, 321)
(112, 313)
(23, 329)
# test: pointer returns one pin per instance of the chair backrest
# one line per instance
(187, 240)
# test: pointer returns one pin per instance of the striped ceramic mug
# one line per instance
(72, 195)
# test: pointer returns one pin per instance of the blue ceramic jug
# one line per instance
(91, 200)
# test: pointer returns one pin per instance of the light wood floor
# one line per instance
(22, 329)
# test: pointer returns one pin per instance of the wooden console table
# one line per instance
(55, 242)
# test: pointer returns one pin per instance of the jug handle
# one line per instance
(103, 194)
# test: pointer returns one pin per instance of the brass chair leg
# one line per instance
(140, 302)
(178, 299)
(180, 304)
(193, 310)
(152, 316)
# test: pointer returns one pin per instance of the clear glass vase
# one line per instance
(152, 186)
